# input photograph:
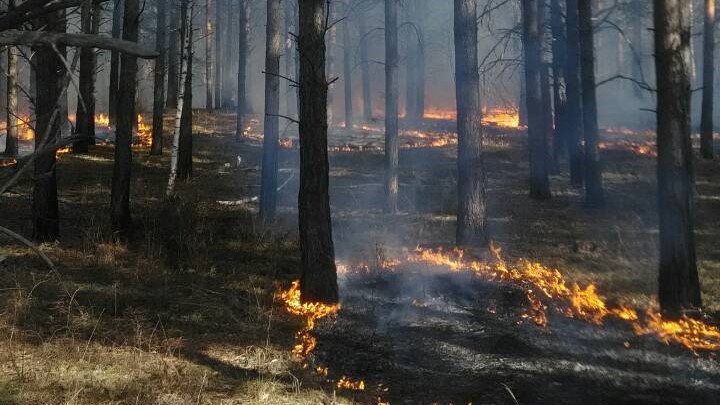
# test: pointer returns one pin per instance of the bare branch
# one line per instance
(45, 38)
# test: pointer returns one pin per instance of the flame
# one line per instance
(639, 148)
(434, 113)
(102, 120)
(62, 151)
(547, 289)
(144, 132)
(348, 384)
(7, 162)
(504, 117)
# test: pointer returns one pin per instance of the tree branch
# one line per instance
(45, 38)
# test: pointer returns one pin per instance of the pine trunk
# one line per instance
(219, 26)
(241, 107)
(706, 125)
(117, 23)
(174, 59)
(290, 53)
(392, 93)
(678, 280)
(574, 102)
(347, 73)
(85, 110)
(594, 194)
(273, 48)
(318, 282)
(120, 195)
(559, 45)
(159, 81)
(365, 69)
(209, 82)
(11, 139)
(471, 215)
(537, 129)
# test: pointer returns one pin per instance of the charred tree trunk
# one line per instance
(185, 145)
(706, 125)
(573, 111)
(159, 81)
(365, 69)
(117, 23)
(85, 110)
(319, 276)
(471, 174)
(48, 69)
(219, 26)
(11, 139)
(678, 281)
(173, 57)
(559, 45)
(273, 47)
(209, 82)
(594, 194)
(537, 129)
(347, 73)
(392, 93)
(243, 44)
(120, 195)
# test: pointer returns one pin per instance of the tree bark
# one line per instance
(706, 125)
(678, 277)
(242, 29)
(574, 102)
(537, 129)
(174, 58)
(410, 40)
(365, 69)
(471, 216)
(559, 45)
(241, 107)
(209, 82)
(331, 40)
(219, 26)
(177, 128)
(48, 69)
(318, 282)
(85, 110)
(347, 71)
(121, 219)
(420, 62)
(11, 139)
(159, 80)
(273, 48)
(291, 98)
(594, 194)
(117, 21)
(392, 92)
(185, 146)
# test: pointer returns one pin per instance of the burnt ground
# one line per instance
(185, 313)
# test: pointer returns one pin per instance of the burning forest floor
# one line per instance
(188, 313)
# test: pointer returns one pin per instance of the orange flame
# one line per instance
(638, 148)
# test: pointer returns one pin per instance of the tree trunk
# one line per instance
(636, 30)
(574, 107)
(706, 125)
(559, 45)
(230, 31)
(173, 59)
(471, 214)
(11, 139)
(420, 62)
(185, 145)
(208, 56)
(318, 282)
(241, 108)
(391, 106)
(219, 26)
(331, 37)
(48, 69)
(410, 40)
(365, 69)
(347, 72)
(177, 128)
(85, 109)
(678, 281)
(594, 194)
(117, 23)
(120, 195)
(273, 48)
(159, 81)
(290, 29)
(537, 130)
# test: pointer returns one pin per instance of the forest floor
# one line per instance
(185, 314)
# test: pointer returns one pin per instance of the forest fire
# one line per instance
(503, 117)
(639, 148)
(144, 133)
(547, 289)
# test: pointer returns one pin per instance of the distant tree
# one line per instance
(159, 80)
(679, 283)
(471, 214)
(173, 57)
(85, 110)
(117, 23)
(121, 219)
(573, 111)
(706, 125)
(559, 46)
(594, 194)
(392, 93)
(318, 282)
(185, 146)
(347, 69)
(273, 48)
(537, 124)
(209, 63)
(241, 107)
(416, 13)
(11, 139)
(48, 68)
(220, 19)
(365, 68)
